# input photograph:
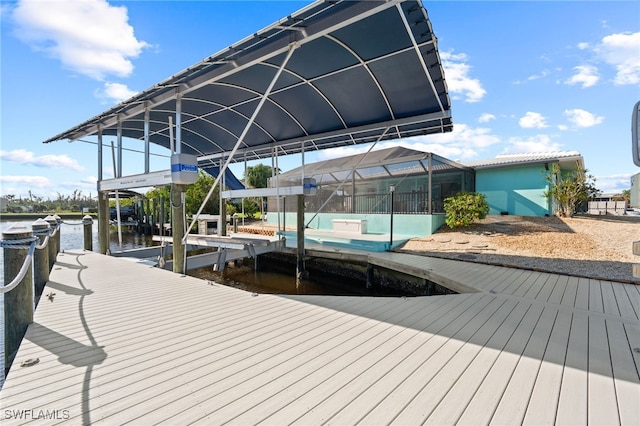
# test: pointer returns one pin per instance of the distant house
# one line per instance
(4, 203)
(515, 184)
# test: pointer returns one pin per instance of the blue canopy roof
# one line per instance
(359, 71)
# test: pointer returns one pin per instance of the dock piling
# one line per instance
(41, 229)
(87, 222)
(18, 303)
(53, 239)
(177, 228)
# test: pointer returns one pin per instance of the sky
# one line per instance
(522, 77)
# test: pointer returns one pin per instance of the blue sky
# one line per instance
(523, 77)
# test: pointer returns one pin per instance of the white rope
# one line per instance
(19, 244)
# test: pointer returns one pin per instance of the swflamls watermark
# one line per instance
(36, 414)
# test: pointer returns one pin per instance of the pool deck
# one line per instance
(123, 342)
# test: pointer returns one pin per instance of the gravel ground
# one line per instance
(585, 246)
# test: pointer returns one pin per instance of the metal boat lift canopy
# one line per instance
(332, 74)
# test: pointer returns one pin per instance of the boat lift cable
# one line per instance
(347, 178)
(292, 48)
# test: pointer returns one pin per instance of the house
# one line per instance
(362, 187)
(412, 185)
(515, 184)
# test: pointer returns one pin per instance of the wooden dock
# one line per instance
(122, 342)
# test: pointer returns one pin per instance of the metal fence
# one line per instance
(607, 207)
(414, 202)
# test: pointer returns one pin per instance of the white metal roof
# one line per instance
(508, 160)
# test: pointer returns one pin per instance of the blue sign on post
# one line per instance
(184, 169)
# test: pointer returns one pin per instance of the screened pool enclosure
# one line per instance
(363, 183)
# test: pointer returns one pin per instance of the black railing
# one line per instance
(404, 203)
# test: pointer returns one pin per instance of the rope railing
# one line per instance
(22, 243)
(32, 243)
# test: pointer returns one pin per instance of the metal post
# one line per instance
(429, 184)
(40, 258)
(300, 268)
(147, 144)
(392, 189)
(18, 303)
(87, 223)
(163, 217)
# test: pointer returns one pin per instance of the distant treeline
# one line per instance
(75, 202)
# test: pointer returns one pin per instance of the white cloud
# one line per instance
(542, 74)
(563, 127)
(486, 117)
(457, 74)
(464, 143)
(537, 143)
(532, 120)
(613, 183)
(586, 75)
(18, 184)
(90, 37)
(622, 51)
(583, 45)
(116, 92)
(582, 118)
(22, 156)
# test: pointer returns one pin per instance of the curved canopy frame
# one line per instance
(359, 71)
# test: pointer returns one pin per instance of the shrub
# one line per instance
(464, 208)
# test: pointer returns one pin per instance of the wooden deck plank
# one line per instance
(486, 280)
(582, 294)
(292, 402)
(595, 296)
(451, 408)
(572, 405)
(494, 333)
(624, 303)
(625, 372)
(502, 286)
(558, 289)
(394, 403)
(602, 403)
(547, 289)
(609, 301)
(570, 292)
(127, 343)
(351, 403)
(489, 394)
(343, 387)
(512, 410)
(240, 364)
(634, 297)
(543, 403)
(535, 288)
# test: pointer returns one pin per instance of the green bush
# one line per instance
(464, 208)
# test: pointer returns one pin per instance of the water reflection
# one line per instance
(265, 282)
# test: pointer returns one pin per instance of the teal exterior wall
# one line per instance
(406, 225)
(516, 190)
